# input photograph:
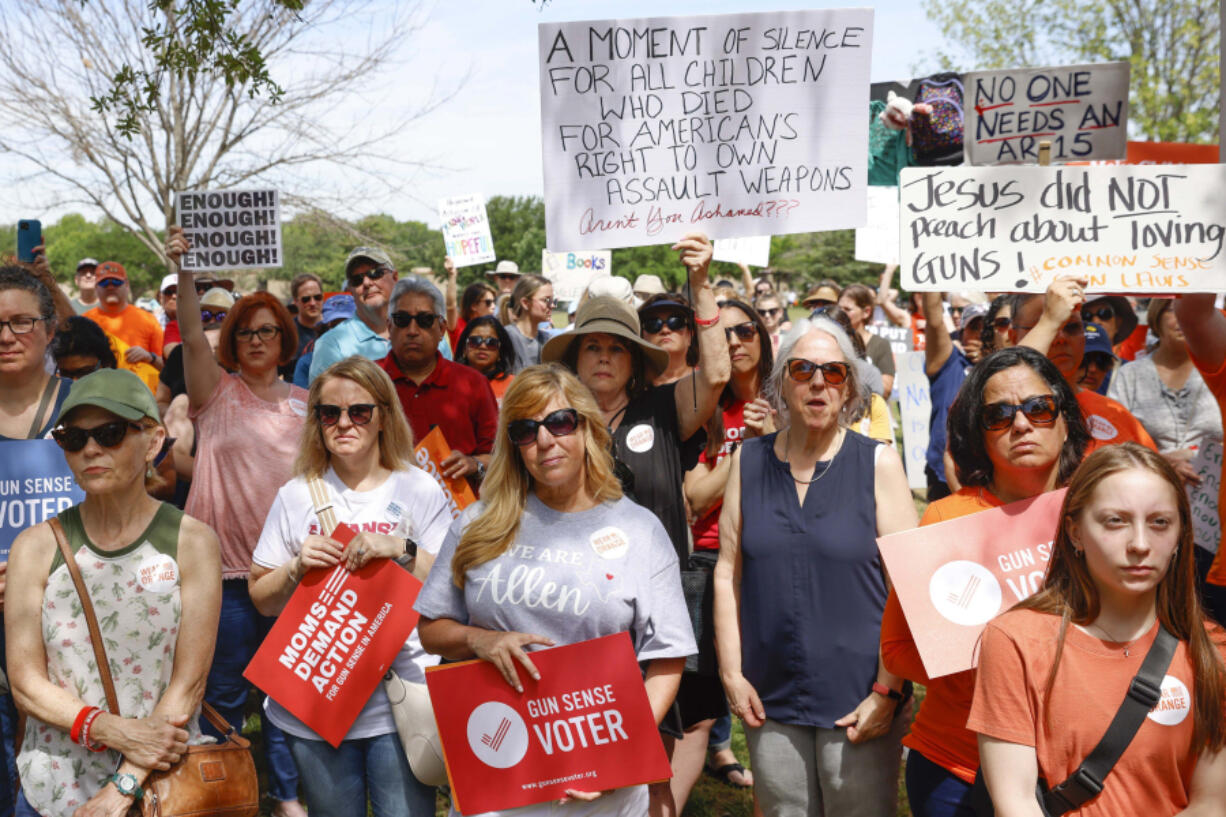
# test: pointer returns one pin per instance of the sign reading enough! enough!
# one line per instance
(230, 229)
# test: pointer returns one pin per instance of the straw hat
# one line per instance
(611, 316)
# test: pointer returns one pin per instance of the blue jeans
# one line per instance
(239, 633)
(338, 781)
(934, 791)
(721, 735)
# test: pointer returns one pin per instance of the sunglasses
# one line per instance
(173, 290)
(1040, 410)
(1105, 313)
(818, 303)
(1001, 324)
(802, 371)
(487, 301)
(744, 331)
(770, 313)
(359, 414)
(77, 374)
(107, 283)
(424, 319)
(654, 323)
(355, 279)
(210, 316)
(1069, 330)
(558, 423)
(266, 332)
(479, 342)
(108, 435)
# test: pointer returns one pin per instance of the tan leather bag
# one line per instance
(210, 780)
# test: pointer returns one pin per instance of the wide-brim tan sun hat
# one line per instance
(607, 315)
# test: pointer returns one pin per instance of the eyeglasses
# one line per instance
(77, 374)
(558, 423)
(1001, 324)
(21, 325)
(802, 371)
(1106, 312)
(487, 301)
(173, 290)
(1069, 330)
(107, 283)
(481, 342)
(359, 414)
(654, 323)
(506, 276)
(744, 331)
(549, 302)
(209, 316)
(355, 279)
(108, 435)
(306, 299)
(265, 333)
(770, 313)
(1040, 410)
(424, 319)
(818, 303)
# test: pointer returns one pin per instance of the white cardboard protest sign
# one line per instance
(752, 251)
(736, 125)
(899, 337)
(230, 229)
(1203, 498)
(571, 272)
(466, 230)
(1081, 109)
(915, 403)
(1128, 228)
(877, 241)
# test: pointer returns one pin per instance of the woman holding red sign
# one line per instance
(357, 454)
(1014, 432)
(555, 554)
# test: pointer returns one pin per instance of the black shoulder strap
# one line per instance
(1144, 692)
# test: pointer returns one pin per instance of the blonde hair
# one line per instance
(507, 483)
(395, 436)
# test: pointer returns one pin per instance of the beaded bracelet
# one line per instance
(85, 727)
(75, 733)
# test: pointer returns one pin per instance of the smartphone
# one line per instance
(29, 236)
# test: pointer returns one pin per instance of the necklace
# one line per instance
(1114, 640)
(796, 479)
(617, 414)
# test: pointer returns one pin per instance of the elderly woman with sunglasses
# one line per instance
(550, 491)
(1015, 431)
(800, 588)
(356, 450)
(247, 427)
(153, 577)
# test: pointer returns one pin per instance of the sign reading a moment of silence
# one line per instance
(585, 725)
(954, 577)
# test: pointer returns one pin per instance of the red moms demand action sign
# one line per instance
(586, 725)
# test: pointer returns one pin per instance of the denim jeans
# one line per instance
(337, 782)
(721, 735)
(239, 633)
(934, 791)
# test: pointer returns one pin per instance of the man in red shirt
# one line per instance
(433, 390)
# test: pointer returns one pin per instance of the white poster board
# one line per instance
(1203, 498)
(230, 229)
(915, 403)
(466, 230)
(752, 251)
(877, 241)
(1128, 228)
(1081, 109)
(571, 272)
(899, 337)
(736, 125)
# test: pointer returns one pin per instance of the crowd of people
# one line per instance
(742, 446)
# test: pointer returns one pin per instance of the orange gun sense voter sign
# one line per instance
(954, 577)
(334, 641)
(431, 451)
(586, 725)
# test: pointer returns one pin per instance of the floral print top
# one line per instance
(135, 592)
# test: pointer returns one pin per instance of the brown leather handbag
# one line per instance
(210, 780)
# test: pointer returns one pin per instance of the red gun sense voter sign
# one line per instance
(334, 641)
(954, 577)
(586, 725)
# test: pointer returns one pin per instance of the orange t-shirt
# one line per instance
(1216, 381)
(939, 732)
(1109, 422)
(134, 326)
(1016, 654)
(499, 386)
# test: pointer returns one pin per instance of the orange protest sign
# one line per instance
(429, 453)
(954, 577)
(1163, 153)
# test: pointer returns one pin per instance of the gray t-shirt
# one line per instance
(1175, 419)
(527, 350)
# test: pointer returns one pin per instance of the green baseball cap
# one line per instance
(115, 390)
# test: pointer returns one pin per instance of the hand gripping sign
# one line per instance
(586, 725)
(954, 577)
(429, 453)
(334, 641)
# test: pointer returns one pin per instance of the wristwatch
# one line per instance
(127, 785)
(410, 553)
(480, 474)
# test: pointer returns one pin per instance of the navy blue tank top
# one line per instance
(812, 583)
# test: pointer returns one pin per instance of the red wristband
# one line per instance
(85, 727)
(710, 322)
(882, 689)
(75, 733)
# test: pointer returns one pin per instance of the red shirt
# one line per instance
(453, 397)
(170, 335)
(706, 530)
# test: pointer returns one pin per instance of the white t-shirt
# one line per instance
(408, 503)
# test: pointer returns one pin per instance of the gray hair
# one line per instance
(853, 403)
(416, 285)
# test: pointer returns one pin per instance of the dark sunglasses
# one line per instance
(1069, 330)
(558, 423)
(770, 313)
(802, 370)
(818, 303)
(1040, 410)
(108, 435)
(359, 413)
(77, 374)
(424, 319)
(1001, 324)
(1104, 313)
(478, 342)
(654, 323)
(355, 279)
(173, 290)
(487, 301)
(744, 331)
(266, 333)
(210, 316)
(306, 299)
(107, 283)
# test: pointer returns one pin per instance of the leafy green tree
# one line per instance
(74, 237)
